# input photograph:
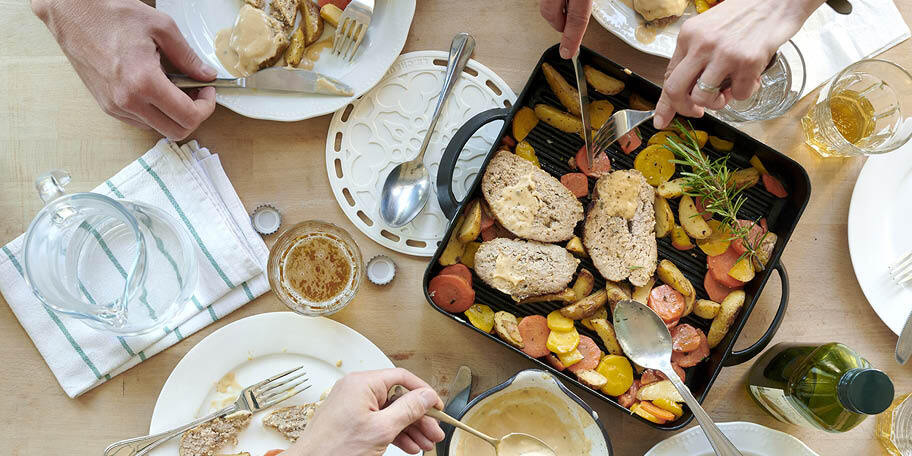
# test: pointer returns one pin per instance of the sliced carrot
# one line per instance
(650, 376)
(600, 166)
(716, 290)
(755, 236)
(534, 331)
(592, 354)
(719, 265)
(551, 358)
(772, 185)
(458, 270)
(667, 302)
(577, 183)
(274, 452)
(656, 411)
(629, 398)
(487, 220)
(694, 357)
(685, 338)
(496, 231)
(679, 370)
(671, 324)
(451, 293)
(508, 141)
(630, 141)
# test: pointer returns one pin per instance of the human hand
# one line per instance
(114, 46)
(356, 420)
(734, 40)
(569, 17)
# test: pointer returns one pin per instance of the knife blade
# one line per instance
(460, 388)
(904, 344)
(583, 90)
(278, 79)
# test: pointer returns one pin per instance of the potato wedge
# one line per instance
(641, 294)
(744, 178)
(765, 251)
(566, 93)
(663, 389)
(585, 307)
(672, 189)
(704, 308)
(728, 311)
(567, 295)
(575, 246)
(592, 379)
(664, 217)
(691, 220)
(606, 332)
(558, 119)
(617, 291)
(758, 165)
(295, 50)
(601, 82)
(679, 239)
(331, 14)
(454, 249)
(599, 113)
(717, 242)
(599, 314)
(720, 144)
(507, 328)
(583, 285)
(468, 254)
(743, 270)
(471, 226)
(640, 103)
(311, 21)
(523, 122)
(669, 273)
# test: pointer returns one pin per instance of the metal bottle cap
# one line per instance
(865, 390)
(381, 270)
(266, 219)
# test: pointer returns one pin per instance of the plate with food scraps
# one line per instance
(201, 21)
(620, 18)
(752, 439)
(212, 374)
(880, 213)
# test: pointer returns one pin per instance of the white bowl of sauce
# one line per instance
(535, 403)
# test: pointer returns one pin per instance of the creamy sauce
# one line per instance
(532, 411)
(505, 268)
(646, 33)
(521, 204)
(228, 388)
(243, 48)
(619, 194)
(521, 445)
(312, 54)
(658, 9)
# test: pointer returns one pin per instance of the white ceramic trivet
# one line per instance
(374, 133)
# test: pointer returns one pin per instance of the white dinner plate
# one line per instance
(622, 21)
(200, 20)
(880, 215)
(256, 348)
(752, 439)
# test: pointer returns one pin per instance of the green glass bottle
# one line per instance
(827, 386)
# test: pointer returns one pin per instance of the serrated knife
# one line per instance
(280, 79)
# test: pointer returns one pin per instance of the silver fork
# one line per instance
(352, 26)
(618, 125)
(901, 272)
(252, 399)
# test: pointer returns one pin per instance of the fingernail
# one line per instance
(565, 52)
(657, 122)
(428, 398)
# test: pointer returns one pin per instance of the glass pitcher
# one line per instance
(121, 267)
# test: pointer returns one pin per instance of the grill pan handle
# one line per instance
(445, 195)
(741, 356)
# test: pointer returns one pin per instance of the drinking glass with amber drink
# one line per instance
(866, 109)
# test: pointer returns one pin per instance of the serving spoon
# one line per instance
(513, 444)
(408, 185)
(646, 341)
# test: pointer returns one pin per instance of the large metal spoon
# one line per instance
(513, 444)
(408, 185)
(646, 341)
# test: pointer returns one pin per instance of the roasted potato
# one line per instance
(567, 295)
(295, 50)
(727, 313)
(481, 317)
(331, 13)
(664, 217)
(558, 119)
(720, 144)
(717, 243)
(601, 82)
(691, 220)
(507, 328)
(758, 165)
(585, 307)
(606, 332)
(663, 389)
(641, 294)
(656, 162)
(617, 291)
(599, 113)
(454, 249)
(564, 343)
(523, 122)
(679, 238)
(671, 275)
(744, 178)
(640, 103)
(599, 314)
(765, 251)
(743, 270)
(704, 308)
(661, 137)
(575, 246)
(526, 151)
(311, 21)
(468, 254)
(592, 379)
(672, 189)
(583, 284)
(471, 226)
(566, 93)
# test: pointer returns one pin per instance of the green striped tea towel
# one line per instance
(189, 183)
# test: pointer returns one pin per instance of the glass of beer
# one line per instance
(866, 109)
(315, 268)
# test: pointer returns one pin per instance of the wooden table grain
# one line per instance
(49, 120)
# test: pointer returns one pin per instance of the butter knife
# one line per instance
(280, 79)
(583, 90)
(904, 344)
(460, 388)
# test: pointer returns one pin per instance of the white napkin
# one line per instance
(189, 183)
(830, 41)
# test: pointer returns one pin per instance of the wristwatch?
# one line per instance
(840, 6)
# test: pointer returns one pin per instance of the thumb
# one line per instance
(409, 408)
(172, 44)
(575, 27)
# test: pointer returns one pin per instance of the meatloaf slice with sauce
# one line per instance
(619, 232)
(528, 201)
(524, 268)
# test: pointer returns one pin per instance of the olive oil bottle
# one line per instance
(827, 386)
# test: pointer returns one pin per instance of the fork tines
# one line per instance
(280, 387)
(352, 27)
(901, 271)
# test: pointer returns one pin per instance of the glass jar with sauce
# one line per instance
(315, 268)
(894, 427)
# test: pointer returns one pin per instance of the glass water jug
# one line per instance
(119, 266)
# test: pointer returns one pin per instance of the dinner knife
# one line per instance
(583, 90)
(460, 388)
(279, 79)
(904, 344)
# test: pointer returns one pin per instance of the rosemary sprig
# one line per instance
(709, 179)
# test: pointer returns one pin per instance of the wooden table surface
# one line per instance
(49, 120)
